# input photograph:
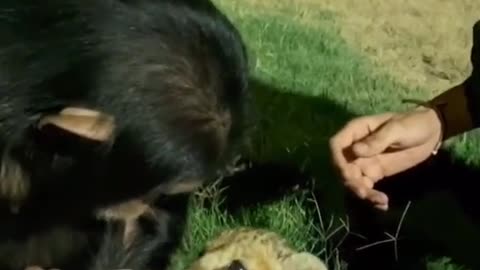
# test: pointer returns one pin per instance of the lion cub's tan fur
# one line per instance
(255, 249)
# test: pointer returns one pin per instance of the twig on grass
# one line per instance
(391, 238)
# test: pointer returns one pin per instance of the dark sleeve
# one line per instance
(472, 84)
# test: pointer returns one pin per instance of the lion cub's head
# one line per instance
(254, 249)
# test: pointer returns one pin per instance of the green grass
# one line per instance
(287, 217)
(308, 84)
(443, 264)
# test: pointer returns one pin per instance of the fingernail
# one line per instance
(382, 207)
(381, 198)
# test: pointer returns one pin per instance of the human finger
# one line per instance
(359, 186)
(382, 207)
(353, 131)
(371, 168)
(390, 163)
(357, 189)
(378, 199)
(381, 139)
(364, 190)
(399, 161)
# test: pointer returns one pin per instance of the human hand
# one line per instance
(370, 148)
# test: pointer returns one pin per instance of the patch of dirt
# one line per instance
(421, 43)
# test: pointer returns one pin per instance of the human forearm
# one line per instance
(454, 111)
(472, 84)
(459, 107)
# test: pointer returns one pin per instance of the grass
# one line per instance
(443, 264)
(422, 43)
(307, 83)
(287, 217)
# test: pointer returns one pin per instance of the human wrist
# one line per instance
(452, 109)
(436, 124)
(447, 114)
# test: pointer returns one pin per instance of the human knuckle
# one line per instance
(396, 126)
(372, 172)
(332, 142)
(352, 124)
(346, 174)
(358, 190)
(361, 193)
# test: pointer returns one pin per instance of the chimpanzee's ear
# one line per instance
(85, 123)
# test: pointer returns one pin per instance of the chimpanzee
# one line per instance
(112, 112)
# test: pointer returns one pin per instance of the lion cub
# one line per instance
(254, 249)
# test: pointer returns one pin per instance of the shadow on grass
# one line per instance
(443, 218)
(290, 147)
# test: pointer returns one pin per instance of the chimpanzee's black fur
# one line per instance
(165, 69)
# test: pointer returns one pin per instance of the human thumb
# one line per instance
(377, 142)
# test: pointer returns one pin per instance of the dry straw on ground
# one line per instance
(422, 43)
